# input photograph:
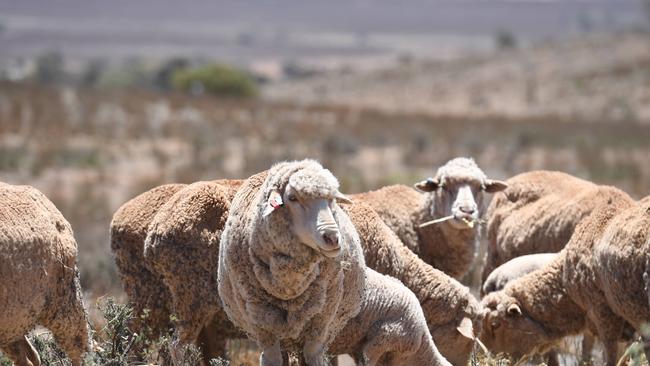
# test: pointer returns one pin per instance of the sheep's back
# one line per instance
(37, 249)
(537, 213)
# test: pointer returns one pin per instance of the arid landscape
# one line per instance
(376, 100)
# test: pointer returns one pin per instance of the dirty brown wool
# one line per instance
(39, 280)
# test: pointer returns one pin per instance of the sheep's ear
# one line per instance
(493, 186)
(274, 202)
(341, 198)
(428, 185)
(466, 329)
(514, 310)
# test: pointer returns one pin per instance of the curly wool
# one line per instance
(537, 213)
(273, 286)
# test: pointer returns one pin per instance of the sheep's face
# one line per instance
(457, 191)
(312, 221)
(507, 329)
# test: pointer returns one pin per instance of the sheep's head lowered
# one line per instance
(508, 329)
(457, 192)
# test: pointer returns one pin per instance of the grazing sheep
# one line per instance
(537, 213)
(456, 190)
(146, 291)
(182, 247)
(452, 313)
(590, 283)
(390, 328)
(515, 268)
(291, 271)
(39, 280)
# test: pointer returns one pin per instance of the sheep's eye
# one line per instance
(293, 198)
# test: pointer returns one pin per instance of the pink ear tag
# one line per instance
(274, 202)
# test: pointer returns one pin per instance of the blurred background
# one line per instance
(102, 100)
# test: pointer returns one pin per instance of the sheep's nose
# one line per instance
(467, 209)
(331, 238)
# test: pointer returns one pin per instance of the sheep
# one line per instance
(537, 213)
(449, 305)
(515, 268)
(595, 283)
(456, 191)
(452, 313)
(291, 269)
(390, 328)
(182, 247)
(146, 291)
(39, 280)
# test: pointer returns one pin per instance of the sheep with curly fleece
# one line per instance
(182, 247)
(39, 280)
(291, 269)
(596, 281)
(452, 313)
(456, 192)
(390, 329)
(146, 291)
(537, 213)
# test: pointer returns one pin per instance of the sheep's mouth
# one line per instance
(464, 221)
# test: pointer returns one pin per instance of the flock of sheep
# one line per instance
(285, 259)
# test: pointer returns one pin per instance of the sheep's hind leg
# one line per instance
(69, 324)
(22, 353)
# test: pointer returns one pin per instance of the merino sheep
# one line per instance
(452, 313)
(182, 247)
(595, 281)
(146, 291)
(456, 190)
(448, 304)
(291, 269)
(39, 280)
(390, 329)
(537, 213)
(515, 268)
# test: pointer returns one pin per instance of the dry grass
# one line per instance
(91, 151)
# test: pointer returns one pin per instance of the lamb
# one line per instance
(291, 270)
(456, 191)
(537, 213)
(452, 313)
(515, 268)
(596, 281)
(390, 328)
(182, 247)
(146, 291)
(39, 278)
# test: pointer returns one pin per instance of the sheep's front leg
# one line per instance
(271, 356)
(314, 353)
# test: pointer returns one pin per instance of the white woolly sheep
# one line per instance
(515, 268)
(390, 328)
(452, 313)
(291, 271)
(456, 191)
(39, 280)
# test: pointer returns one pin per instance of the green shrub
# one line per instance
(216, 79)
